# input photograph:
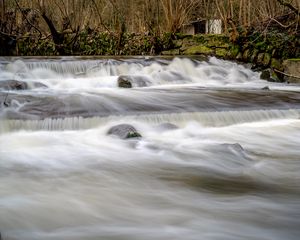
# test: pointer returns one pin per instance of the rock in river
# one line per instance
(265, 74)
(129, 81)
(20, 85)
(124, 131)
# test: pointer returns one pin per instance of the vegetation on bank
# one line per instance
(98, 43)
(265, 32)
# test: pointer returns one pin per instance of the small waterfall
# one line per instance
(177, 71)
(213, 119)
(76, 67)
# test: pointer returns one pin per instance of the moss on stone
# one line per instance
(265, 75)
(276, 64)
(233, 52)
(171, 52)
(260, 58)
(247, 55)
(221, 52)
(267, 59)
(254, 55)
(294, 59)
(199, 49)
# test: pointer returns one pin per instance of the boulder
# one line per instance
(124, 82)
(129, 81)
(266, 88)
(166, 127)
(270, 75)
(246, 55)
(265, 74)
(20, 85)
(267, 59)
(260, 58)
(124, 131)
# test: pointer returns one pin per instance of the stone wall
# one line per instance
(262, 52)
(292, 70)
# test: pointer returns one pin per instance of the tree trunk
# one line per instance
(58, 38)
(289, 5)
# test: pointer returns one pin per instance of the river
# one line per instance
(219, 155)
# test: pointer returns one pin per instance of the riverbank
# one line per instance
(276, 52)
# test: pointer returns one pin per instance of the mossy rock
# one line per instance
(246, 55)
(260, 58)
(187, 43)
(182, 36)
(233, 51)
(254, 55)
(265, 74)
(276, 64)
(221, 52)
(171, 52)
(201, 38)
(239, 57)
(198, 50)
(124, 131)
(262, 46)
(266, 59)
(178, 43)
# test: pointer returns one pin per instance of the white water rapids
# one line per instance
(218, 158)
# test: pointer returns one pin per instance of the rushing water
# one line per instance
(227, 168)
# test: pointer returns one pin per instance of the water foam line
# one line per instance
(210, 119)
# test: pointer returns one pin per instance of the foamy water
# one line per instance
(228, 167)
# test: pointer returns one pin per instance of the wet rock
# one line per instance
(233, 146)
(267, 59)
(166, 127)
(270, 75)
(260, 58)
(265, 74)
(13, 85)
(237, 148)
(266, 88)
(128, 81)
(124, 82)
(20, 85)
(124, 131)
(276, 64)
(36, 85)
(246, 55)
(256, 68)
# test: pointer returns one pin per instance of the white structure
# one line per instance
(213, 26)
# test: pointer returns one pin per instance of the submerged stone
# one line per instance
(129, 81)
(266, 88)
(124, 131)
(167, 126)
(20, 85)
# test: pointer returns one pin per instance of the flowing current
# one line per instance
(218, 158)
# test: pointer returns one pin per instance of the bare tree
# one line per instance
(176, 13)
